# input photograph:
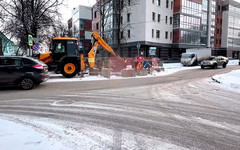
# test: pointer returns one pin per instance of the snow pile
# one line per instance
(231, 79)
(17, 136)
(233, 62)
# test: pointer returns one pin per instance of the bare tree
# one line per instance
(37, 17)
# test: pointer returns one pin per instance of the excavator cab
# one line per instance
(63, 56)
(63, 47)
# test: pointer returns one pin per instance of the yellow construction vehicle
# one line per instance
(64, 56)
(98, 41)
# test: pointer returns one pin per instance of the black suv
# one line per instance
(24, 72)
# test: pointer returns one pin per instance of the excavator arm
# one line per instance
(92, 55)
(99, 41)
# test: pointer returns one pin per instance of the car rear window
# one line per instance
(10, 62)
(28, 62)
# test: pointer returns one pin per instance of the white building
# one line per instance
(149, 22)
(231, 28)
(82, 26)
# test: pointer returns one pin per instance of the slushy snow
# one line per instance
(14, 136)
(231, 79)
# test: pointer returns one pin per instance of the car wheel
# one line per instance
(27, 83)
(202, 67)
(224, 65)
(69, 69)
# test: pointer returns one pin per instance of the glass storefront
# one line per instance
(191, 21)
(234, 27)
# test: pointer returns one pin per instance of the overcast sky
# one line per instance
(70, 4)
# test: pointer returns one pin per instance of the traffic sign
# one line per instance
(30, 40)
(138, 45)
(35, 47)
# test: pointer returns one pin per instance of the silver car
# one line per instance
(215, 62)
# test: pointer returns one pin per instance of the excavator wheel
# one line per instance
(69, 69)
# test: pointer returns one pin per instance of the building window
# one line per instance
(153, 16)
(153, 1)
(152, 33)
(171, 5)
(97, 26)
(121, 20)
(128, 17)
(166, 19)
(219, 7)
(166, 35)
(167, 2)
(170, 20)
(121, 4)
(159, 2)
(159, 17)
(121, 34)
(157, 34)
(129, 34)
(170, 35)
(95, 14)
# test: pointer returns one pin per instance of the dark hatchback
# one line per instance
(24, 72)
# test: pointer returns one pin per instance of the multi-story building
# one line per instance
(125, 27)
(190, 28)
(231, 28)
(82, 27)
(218, 30)
(70, 27)
(96, 25)
(150, 23)
(107, 24)
(166, 28)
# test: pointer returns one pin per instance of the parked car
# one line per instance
(24, 72)
(214, 62)
(225, 58)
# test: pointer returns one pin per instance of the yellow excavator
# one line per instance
(99, 41)
(64, 56)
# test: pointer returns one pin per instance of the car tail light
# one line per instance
(39, 66)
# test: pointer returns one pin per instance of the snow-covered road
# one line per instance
(185, 114)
